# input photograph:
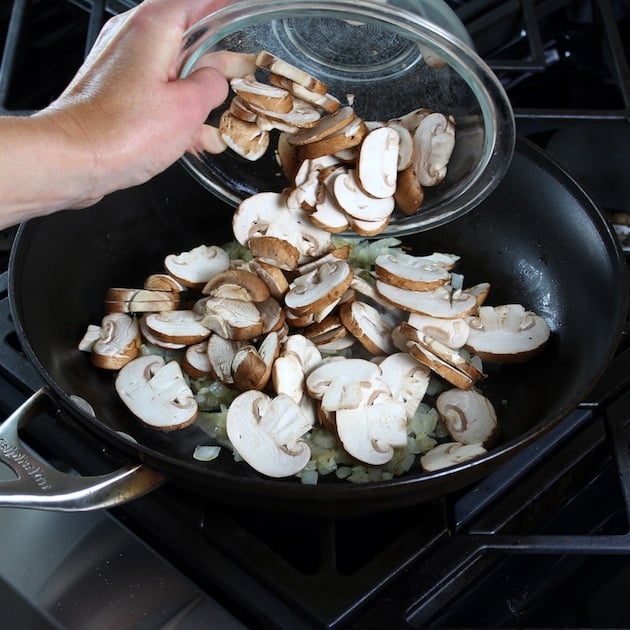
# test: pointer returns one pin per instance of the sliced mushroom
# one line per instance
(351, 135)
(118, 341)
(440, 302)
(237, 320)
(246, 139)
(251, 366)
(434, 139)
(450, 454)
(282, 68)
(377, 166)
(468, 416)
(237, 284)
(452, 332)
(157, 393)
(507, 333)
(221, 353)
(184, 326)
(196, 362)
(327, 126)
(409, 194)
(340, 384)
(367, 325)
(163, 282)
(407, 380)
(272, 276)
(298, 356)
(149, 337)
(211, 141)
(256, 93)
(356, 202)
(446, 370)
(370, 432)
(316, 289)
(119, 300)
(195, 267)
(406, 271)
(266, 432)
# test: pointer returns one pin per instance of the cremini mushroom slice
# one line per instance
(326, 102)
(272, 276)
(327, 126)
(468, 416)
(452, 356)
(163, 282)
(150, 338)
(251, 366)
(156, 392)
(440, 302)
(221, 353)
(276, 251)
(241, 109)
(409, 194)
(340, 383)
(506, 334)
(119, 300)
(284, 69)
(367, 290)
(195, 267)
(446, 370)
(406, 147)
(196, 362)
(412, 119)
(266, 432)
(272, 314)
(302, 115)
(286, 156)
(450, 454)
(246, 139)
(116, 344)
(356, 202)
(434, 139)
(256, 93)
(329, 329)
(298, 356)
(351, 135)
(452, 332)
(184, 326)
(238, 320)
(367, 325)
(237, 284)
(406, 271)
(370, 431)
(316, 289)
(368, 228)
(407, 379)
(338, 253)
(377, 166)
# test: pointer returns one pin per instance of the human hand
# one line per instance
(132, 114)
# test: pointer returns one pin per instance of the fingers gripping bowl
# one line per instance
(382, 62)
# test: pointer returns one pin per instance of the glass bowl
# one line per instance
(384, 60)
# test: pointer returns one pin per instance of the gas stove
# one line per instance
(542, 542)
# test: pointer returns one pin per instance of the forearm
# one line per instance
(43, 168)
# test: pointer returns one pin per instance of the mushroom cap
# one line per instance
(266, 433)
(469, 417)
(507, 333)
(157, 393)
(233, 319)
(238, 284)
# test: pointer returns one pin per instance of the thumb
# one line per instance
(203, 90)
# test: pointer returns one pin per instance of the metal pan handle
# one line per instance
(40, 486)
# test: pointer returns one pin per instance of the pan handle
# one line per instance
(40, 486)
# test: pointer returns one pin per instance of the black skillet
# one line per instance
(538, 239)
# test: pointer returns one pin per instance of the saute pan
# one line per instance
(538, 239)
